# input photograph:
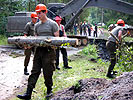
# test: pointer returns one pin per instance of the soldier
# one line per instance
(111, 45)
(84, 25)
(44, 57)
(63, 50)
(80, 28)
(89, 29)
(29, 31)
(75, 26)
(95, 31)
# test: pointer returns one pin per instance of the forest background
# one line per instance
(92, 15)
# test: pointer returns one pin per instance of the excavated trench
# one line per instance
(101, 48)
(120, 88)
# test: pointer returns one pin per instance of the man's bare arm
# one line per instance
(56, 34)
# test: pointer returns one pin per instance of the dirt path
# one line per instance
(12, 78)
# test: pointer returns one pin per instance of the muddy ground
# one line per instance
(120, 88)
(11, 71)
(12, 79)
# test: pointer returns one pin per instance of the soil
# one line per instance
(120, 88)
(12, 79)
(11, 71)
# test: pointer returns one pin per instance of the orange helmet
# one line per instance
(41, 7)
(120, 21)
(58, 18)
(33, 15)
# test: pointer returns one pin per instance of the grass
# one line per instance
(3, 40)
(82, 68)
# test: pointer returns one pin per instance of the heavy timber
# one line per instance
(42, 41)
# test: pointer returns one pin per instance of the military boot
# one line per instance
(26, 71)
(67, 67)
(115, 72)
(27, 95)
(110, 74)
(57, 67)
(49, 92)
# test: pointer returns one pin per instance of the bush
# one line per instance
(3, 40)
(125, 61)
(90, 50)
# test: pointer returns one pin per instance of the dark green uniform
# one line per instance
(111, 46)
(44, 57)
(29, 31)
(63, 50)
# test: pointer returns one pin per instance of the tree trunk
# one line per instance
(42, 41)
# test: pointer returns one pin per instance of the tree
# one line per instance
(8, 8)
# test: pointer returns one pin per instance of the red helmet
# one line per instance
(120, 21)
(41, 7)
(33, 15)
(58, 18)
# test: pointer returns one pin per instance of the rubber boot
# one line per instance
(67, 67)
(57, 67)
(27, 95)
(26, 71)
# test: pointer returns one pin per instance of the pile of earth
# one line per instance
(120, 88)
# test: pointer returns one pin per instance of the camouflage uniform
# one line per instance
(44, 56)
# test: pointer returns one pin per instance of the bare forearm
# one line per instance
(120, 35)
(56, 34)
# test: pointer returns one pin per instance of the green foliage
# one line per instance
(91, 51)
(95, 14)
(77, 85)
(3, 40)
(109, 16)
(8, 8)
(125, 61)
(125, 55)
(84, 15)
(64, 78)
(128, 39)
(3, 22)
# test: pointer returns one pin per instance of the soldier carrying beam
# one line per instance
(44, 57)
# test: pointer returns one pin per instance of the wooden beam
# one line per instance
(43, 41)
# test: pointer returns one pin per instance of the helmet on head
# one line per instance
(33, 15)
(120, 21)
(41, 7)
(58, 18)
